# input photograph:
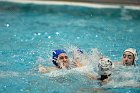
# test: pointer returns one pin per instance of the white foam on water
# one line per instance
(125, 14)
(64, 72)
(4, 74)
(4, 63)
(124, 77)
(125, 83)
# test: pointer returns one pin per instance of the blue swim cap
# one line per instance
(55, 55)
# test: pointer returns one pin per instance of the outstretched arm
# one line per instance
(91, 76)
(42, 69)
(78, 64)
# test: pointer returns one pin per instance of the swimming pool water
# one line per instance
(29, 33)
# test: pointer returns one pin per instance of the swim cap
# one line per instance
(55, 55)
(134, 52)
(105, 66)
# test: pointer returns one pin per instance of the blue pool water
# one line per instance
(29, 33)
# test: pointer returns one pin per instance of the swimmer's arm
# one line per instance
(91, 76)
(44, 69)
(78, 64)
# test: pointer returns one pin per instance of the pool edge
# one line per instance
(82, 4)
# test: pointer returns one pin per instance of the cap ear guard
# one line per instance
(105, 66)
(136, 55)
(54, 60)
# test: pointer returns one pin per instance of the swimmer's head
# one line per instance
(105, 66)
(56, 53)
(130, 56)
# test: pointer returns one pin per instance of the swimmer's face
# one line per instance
(128, 59)
(63, 59)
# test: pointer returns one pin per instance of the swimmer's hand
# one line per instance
(78, 64)
(42, 69)
(105, 81)
(91, 76)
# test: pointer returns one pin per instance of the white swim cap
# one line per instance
(105, 66)
(133, 51)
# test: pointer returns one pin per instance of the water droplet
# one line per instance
(37, 33)
(57, 33)
(77, 37)
(96, 36)
(23, 78)
(49, 37)
(21, 89)
(7, 25)
(130, 30)
(128, 91)
(32, 38)
(46, 33)
(113, 55)
(4, 86)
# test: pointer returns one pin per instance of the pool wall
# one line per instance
(83, 3)
(130, 2)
